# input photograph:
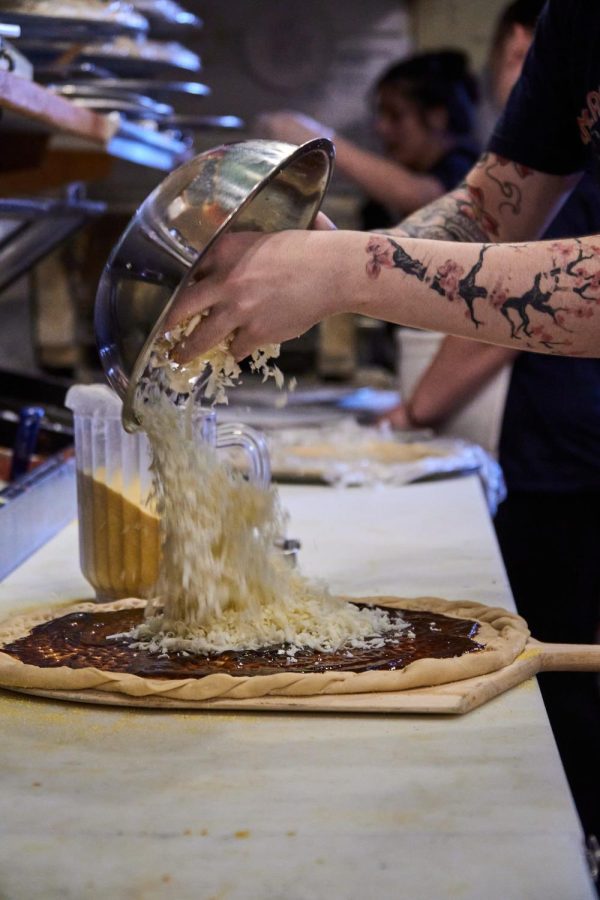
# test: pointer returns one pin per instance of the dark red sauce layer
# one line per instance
(82, 639)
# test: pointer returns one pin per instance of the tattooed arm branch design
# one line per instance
(568, 273)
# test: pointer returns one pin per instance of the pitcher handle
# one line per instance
(255, 447)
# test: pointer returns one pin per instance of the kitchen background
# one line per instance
(316, 56)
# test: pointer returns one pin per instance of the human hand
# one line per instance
(293, 127)
(258, 289)
(398, 418)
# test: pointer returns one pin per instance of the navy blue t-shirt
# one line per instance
(552, 120)
(550, 437)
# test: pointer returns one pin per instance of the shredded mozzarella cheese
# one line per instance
(223, 584)
(218, 364)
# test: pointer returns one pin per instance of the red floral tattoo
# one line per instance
(575, 269)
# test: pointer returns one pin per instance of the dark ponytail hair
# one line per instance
(437, 79)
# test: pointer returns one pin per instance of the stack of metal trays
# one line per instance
(148, 145)
(104, 63)
(144, 110)
(121, 56)
(166, 17)
(72, 20)
(109, 38)
(129, 104)
(80, 75)
(126, 97)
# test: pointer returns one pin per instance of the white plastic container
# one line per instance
(119, 547)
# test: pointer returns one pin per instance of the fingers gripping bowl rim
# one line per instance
(262, 186)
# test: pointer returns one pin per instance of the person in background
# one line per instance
(468, 264)
(548, 527)
(424, 115)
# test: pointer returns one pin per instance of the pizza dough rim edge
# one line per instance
(289, 462)
(504, 634)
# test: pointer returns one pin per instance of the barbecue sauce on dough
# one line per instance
(82, 639)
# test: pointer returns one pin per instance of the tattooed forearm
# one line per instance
(403, 261)
(458, 216)
(533, 315)
(506, 180)
(490, 197)
(449, 280)
(535, 299)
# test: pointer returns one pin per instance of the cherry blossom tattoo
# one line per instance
(575, 268)
(537, 300)
(446, 283)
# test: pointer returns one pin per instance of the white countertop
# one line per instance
(105, 803)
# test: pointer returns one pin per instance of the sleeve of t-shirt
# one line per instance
(539, 125)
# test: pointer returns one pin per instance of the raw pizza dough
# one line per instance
(503, 633)
(374, 451)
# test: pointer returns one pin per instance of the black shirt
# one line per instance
(550, 437)
(552, 120)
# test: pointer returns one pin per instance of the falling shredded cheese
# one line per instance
(223, 584)
(219, 367)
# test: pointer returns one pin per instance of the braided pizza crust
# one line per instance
(503, 633)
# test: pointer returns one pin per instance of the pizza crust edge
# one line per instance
(503, 633)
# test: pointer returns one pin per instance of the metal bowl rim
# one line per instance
(130, 420)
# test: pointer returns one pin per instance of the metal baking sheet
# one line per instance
(118, 57)
(115, 97)
(148, 147)
(203, 123)
(166, 91)
(54, 24)
(157, 112)
(166, 17)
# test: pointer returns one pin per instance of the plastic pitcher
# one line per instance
(119, 547)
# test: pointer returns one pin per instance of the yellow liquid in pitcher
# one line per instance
(119, 542)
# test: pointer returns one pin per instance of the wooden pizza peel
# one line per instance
(454, 698)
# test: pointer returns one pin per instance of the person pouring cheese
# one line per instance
(470, 263)
(467, 264)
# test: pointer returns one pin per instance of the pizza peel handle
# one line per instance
(566, 657)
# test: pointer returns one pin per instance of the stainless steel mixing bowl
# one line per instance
(263, 186)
